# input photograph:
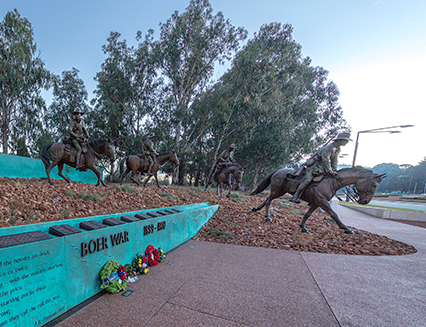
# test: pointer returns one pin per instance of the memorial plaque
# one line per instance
(162, 212)
(91, 225)
(142, 216)
(63, 230)
(170, 211)
(22, 238)
(129, 219)
(153, 214)
(112, 222)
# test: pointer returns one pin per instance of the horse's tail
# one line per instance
(264, 184)
(45, 156)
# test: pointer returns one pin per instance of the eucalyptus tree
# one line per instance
(281, 106)
(126, 91)
(22, 77)
(189, 46)
(69, 93)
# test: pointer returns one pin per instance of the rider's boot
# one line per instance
(78, 164)
(300, 188)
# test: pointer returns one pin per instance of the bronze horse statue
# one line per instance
(319, 194)
(223, 177)
(57, 153)
(135, 164)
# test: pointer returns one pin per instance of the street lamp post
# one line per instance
(376, 130)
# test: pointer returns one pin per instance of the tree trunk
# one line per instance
(256, 176)
(5, 139)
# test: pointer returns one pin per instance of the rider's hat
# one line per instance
(343, 136)
(232, 146)
(78, 111)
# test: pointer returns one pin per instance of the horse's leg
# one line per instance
(306, 216)
(156, 179)
(133, 177)
(60, 167)
(124, 175)
(327, 208)
(51, 166)
(147, 179)
(93, 168)
(229, 186)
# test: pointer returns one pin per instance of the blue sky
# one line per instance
(373, 49)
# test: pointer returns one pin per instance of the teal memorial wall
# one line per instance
(51, 274)
(22, 167)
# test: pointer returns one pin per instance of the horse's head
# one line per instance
(366, 187)
(110, 150)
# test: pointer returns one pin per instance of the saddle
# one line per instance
(73, 151)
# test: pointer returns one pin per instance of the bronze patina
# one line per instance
(224, 178)
(60, 154)
(322, 163)
(225, 159)
(319, 194)
(78, 135)
(135, 164)
(148, 153)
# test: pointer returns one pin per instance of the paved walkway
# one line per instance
(209, 284)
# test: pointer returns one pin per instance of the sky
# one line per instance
(374, 50)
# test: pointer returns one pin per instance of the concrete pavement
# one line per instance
(210, 284)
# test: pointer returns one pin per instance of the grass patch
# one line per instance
(66, 213)
(299, 212)
(283, 204)
(184, 199)
(239, 200)
(380, 207)
(421, 198)
(89, 197)
(18, 184)
(70, 194)
(168, 195)
(224, 234)
(193, 195)
(127, 188)
(232, 223)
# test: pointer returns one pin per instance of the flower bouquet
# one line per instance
(161, 255)
(140, 264)
(113, 277)
(131, 273)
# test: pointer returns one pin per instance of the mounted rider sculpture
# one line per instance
(320, 183)
(224, 167)
(77, 151)
(78, 136)
(148, 153)
(148, 162)
(322, 163)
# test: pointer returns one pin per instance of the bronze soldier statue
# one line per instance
(149, 153)
(78, 135)
(323, 162)
(224, 159)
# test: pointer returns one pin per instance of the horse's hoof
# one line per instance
(254, 209)
(268, 220)
(348, 231)
(304, 230)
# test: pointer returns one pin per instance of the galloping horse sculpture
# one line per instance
(318, 195)
(223, 177)
(56, 153)
(135, 164)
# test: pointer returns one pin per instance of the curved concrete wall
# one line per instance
(22, 167)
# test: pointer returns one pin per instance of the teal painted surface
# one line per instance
(22, 167)
(41, 280)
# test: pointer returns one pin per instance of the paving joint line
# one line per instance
(183, 283)
(319, 288)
